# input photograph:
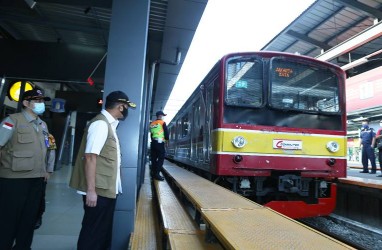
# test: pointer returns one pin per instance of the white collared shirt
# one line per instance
(97, 135)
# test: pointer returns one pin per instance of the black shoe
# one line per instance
(364, 172)
(159, 178)
(373, 172)
(38, 223)
(379, 175)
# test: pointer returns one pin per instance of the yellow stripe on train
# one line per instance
(257, 141)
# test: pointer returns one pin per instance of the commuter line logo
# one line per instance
(287, 144)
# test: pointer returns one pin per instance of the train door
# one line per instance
(195, 122)
(202, 130)
(209, 120)
(177, 137)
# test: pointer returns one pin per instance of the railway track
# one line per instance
(357, 235)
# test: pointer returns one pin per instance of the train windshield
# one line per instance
(244, 82)
(302, 86)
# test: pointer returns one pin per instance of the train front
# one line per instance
(280, 134)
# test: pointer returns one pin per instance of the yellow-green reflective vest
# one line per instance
(156, 129)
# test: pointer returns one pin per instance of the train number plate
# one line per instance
(287, 144)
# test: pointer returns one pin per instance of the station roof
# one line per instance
(79, 30)
(322, 29)
(341, 32)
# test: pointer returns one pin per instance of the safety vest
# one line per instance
(24, 154)
(156, 129)
(106, 165)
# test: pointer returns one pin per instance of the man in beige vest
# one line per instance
(96, 174)
(23, 147)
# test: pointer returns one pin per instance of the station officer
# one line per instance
(367, 142)
(378, 145)
(96, 174)
(24, 140)
(159, 135)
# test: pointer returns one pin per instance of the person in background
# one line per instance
(24, 141)
(50, 160)
(96, 174)
(159, 135)
(379, 145)
(367, 142)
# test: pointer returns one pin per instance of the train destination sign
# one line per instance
(287, 144)
(284, 72)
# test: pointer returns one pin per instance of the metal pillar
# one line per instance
(62, 145)
(4, 83)
(125, 71)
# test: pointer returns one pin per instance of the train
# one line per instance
(270, 126)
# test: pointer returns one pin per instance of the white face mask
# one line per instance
(39, 108)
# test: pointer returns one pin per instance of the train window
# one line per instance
(172, 132)
(303, 86)
(185, 126)
(244, 81)
(179, 129)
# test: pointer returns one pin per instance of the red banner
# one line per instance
(364, 90)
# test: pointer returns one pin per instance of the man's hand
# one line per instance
(91, 198)
(47, 176)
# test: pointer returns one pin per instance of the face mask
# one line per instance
(125, 113)
(39, 108)
(365, 126)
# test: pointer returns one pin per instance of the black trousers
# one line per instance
(41, 209)
(157, 157)
(19, 204)
(368, 154)
(97, 225)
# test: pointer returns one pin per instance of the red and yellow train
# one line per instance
(270, 126)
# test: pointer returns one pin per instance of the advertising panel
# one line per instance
(364, 90)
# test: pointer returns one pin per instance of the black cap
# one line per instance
(119, 96)
(160, 113)
(34, 94)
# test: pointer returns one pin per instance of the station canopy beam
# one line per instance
(363, 8)
(308, 39)
(352, 43)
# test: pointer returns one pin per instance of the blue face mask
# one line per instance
(39, 108)
(365, 126)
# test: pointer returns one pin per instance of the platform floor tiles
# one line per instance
(146, 232)
(61, 221)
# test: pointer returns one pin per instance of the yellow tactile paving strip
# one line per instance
(205, 194)
(190, 241)
(264, 229)
(144, 235)
(242, 224)
(364, 182)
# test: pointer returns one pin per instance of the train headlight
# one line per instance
(239, 141)
(333, 146)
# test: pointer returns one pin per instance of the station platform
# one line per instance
(61, 222)
(354, 177)
(354, 169)
(62, 219)
(359, 197)
(239, 223)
